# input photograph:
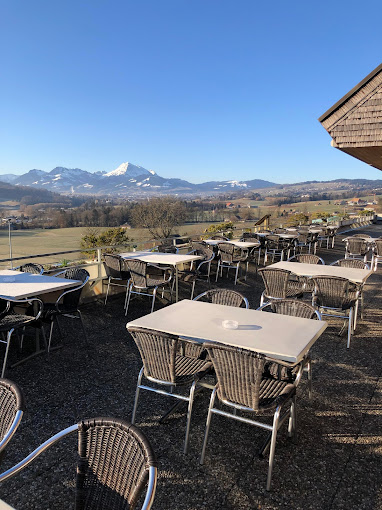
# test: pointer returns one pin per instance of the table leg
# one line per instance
(176, 283)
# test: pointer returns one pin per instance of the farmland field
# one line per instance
(40, 241)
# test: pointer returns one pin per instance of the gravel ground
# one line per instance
(336, 463)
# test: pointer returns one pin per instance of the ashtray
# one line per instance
(227, 324)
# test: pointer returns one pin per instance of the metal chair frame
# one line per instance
(197, 272)
(280, 247)
(377, 254)
(356, 248)
(286, 279)
(150, 465)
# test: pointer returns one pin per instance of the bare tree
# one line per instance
(159, 215)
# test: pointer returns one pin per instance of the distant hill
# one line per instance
(30, 196)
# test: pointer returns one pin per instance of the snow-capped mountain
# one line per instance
(130, 170)
(127, 179)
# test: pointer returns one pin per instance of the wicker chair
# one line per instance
(115, 463)
(11, 411)
(67, 303)
(202, 270)
(356, 248)
(252, 257)
(11, 321)
(143, 282)
(377, 253)
(280, 284)
(355, 289)
(31, 267)
(295, 308)
(335, 297)
(165, 364)
(244, 384)
(276, 246)
(230, 259)
(305, 240)
(115, 270)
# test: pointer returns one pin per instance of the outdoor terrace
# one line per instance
(335, 465)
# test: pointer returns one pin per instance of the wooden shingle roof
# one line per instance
(355, 121)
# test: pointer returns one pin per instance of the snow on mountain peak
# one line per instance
(129, 170)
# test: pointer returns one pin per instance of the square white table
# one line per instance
(301, 269)
(277, 336)
(19, 285)
(154, 257)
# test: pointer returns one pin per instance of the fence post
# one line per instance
(99, 262)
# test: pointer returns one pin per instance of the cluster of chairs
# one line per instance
(115, 459)
(246, 381)
(364, 247)
(333, 296)
(17, 315)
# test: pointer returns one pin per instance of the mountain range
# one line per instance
(127, 179)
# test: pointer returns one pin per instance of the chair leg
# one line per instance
(350, 326)
(192, 290)
(83, 327)
(50, 333)
(137, 395)
(310, 379)
(273, 446)
(189, 413)
(217, 271)
(292, 427)
(237, 272)
(153, 302)
(9, 334)
(107, 292)
(128, 298)
(208, 423)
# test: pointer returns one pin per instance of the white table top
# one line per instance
(301, 269)
(155, 257)
(19, 285)
(239, 244)
(277, 336)
(5, 506)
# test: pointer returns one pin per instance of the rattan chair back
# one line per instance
(378, 247)
(113, 465)
(138, 272)
(158, 352)
(239, 374)
(353, 263)
(32, 268)
(306, 258)
(275, 281)
(71, 298)
(167, 248)
(331, 291)
(218, 237)
(226, 251)
(223, 297)
(11, 409)
(356, 246)
(292, 307)
(115, 267)
(273, 242)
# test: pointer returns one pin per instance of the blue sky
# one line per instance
(201, 89)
